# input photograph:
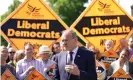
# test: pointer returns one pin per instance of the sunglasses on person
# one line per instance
(11, 52)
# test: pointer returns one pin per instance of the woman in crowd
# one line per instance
(18, 56)
(123, 63)
(3, 65)
(55, 49)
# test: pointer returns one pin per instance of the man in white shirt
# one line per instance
(29, 63)
(46, 63)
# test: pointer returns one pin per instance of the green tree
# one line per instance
(68, 10)
(11, 8)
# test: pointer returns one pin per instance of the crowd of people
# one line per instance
(65, 60)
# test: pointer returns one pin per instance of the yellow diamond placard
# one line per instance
(32, 22)
(120, 74)
(7, 75)
(35, 75)
(103, 20)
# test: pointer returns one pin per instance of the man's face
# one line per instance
(108, 45)
(44, 56)
(11, 54)
(29, 50)
(4, 54)
(56, 48)
(124, 55)
(130, 42)
(68, 42)
(123, 43)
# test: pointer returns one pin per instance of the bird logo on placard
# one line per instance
(110, 53)
(7, 77)
(32, 9)
(34, 76)
(103, 6)
(119, 74)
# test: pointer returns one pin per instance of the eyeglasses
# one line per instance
(11, 52)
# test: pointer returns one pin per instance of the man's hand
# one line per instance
(47, 69)
(30, 68)
(73, 69)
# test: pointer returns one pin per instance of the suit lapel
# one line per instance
(65, 62)
(77, 57)
(64, 58)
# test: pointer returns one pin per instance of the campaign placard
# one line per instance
(103, 20)
(33, 22)
(120, 74)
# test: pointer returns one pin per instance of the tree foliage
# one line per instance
(11, 8)
(68, 10)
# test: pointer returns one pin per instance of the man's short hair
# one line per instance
(28, 43)
(3, 48)
(57, 43)
(125, 49)
(74, 35)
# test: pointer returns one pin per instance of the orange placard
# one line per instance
(35, 75)
(131, 59)
(120, 74)
(52, 66)
(108, 57)
(7, 75)
(110, 53)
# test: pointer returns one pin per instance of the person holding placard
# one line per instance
(3, 65)
(122, 62)
(47, 64)
(28, 63)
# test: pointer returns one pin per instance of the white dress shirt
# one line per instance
(73, 55)
(23, 65)
(116, 65)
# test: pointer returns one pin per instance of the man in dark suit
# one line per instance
(75, 63)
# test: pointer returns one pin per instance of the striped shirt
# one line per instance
(23, 65)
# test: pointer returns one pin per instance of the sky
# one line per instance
(4, 4)
(126, 4)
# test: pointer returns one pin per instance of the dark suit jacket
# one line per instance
(131, 68)
(84, 60)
